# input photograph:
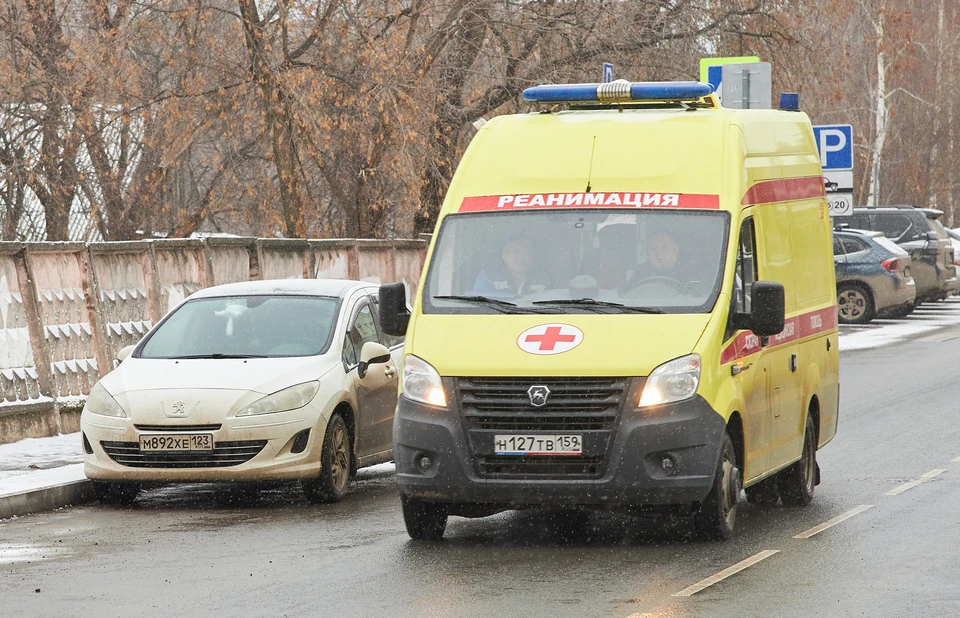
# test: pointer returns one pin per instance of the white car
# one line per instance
(256, 381)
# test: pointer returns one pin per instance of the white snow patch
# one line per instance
(379, 470)
(41, 479)
(41, 399)
(925, 319)
(40, 453)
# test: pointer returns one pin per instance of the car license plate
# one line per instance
(537, 444)
(177, 442)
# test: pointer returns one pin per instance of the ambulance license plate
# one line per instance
(177, 442)
(538, 444)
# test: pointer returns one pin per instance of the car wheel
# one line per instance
(425, 521)
(854, 305)
(331, 484)
(764, 493)
(797, 482)
(717, 516)
(121, 494)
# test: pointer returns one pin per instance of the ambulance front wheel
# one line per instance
(425, 521)
(717, 516)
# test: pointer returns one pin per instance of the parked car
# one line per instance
(955, 241)
(873, 277)
(255, 381)
(919, 232)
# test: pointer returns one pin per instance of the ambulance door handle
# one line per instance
(793, 362)
(738, 369)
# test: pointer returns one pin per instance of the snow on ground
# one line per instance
(35, 454)
(926, 319)
(32, 480)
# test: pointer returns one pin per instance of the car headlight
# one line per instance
(672, 381)
(421, 382)
(289, 398)
(101, 402)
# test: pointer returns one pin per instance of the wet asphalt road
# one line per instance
(181, 552)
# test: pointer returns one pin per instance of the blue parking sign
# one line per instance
(835, 144)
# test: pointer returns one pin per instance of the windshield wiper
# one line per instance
(218, 356)
(502, 306)
(593, 302)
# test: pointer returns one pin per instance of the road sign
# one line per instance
(711, 70)
(607, 72)
(745, 86)
(835, 144)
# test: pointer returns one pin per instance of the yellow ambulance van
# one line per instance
(629, 303)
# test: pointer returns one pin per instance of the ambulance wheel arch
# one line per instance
(812, 383)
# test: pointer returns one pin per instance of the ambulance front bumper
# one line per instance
(666, 456)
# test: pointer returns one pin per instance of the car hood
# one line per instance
(259, 375)
(612, 345)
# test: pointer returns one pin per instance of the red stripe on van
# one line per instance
(797, 327)
(600, 199)
(784, 190)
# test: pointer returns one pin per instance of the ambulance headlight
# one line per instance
(673, 381)
(421, 382)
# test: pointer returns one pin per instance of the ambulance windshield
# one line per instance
(577, 261)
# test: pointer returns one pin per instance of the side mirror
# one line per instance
(768, 308)
(123, 354)
(394, 316)
(372, 353)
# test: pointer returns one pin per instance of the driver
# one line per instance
(663, 259)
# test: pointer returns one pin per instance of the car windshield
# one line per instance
(577, 261)
(245, 327)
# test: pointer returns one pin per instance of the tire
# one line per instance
(118, 494)
(425, 521)
(854, 304)
(335, 459)
(796, 483)
(764, 493)
(717, 516)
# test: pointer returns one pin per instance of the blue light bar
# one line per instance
(618, 91)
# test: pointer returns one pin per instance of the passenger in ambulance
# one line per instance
(516, 274)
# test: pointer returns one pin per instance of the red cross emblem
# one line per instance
(550, 339)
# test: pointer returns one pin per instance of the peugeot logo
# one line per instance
(538, 395)
(179, 408)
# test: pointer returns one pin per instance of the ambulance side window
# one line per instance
(746, 268)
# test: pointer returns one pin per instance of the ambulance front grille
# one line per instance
(573, 404)
(587, 407)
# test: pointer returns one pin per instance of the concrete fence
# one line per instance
(66, 309)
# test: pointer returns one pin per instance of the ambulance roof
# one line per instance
(716, 155)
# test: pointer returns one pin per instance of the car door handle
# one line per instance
(738, 369)
(389, 371)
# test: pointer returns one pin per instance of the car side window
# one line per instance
(746, 272)
(837, 246)
(853, 245)
(363, 329)
(894, 226)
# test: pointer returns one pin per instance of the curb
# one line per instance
(46, 498)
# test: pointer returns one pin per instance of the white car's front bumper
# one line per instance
(245, 449)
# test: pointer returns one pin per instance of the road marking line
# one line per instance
(722, 575)
(957, 460)
(923, 479)
(833, 522)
